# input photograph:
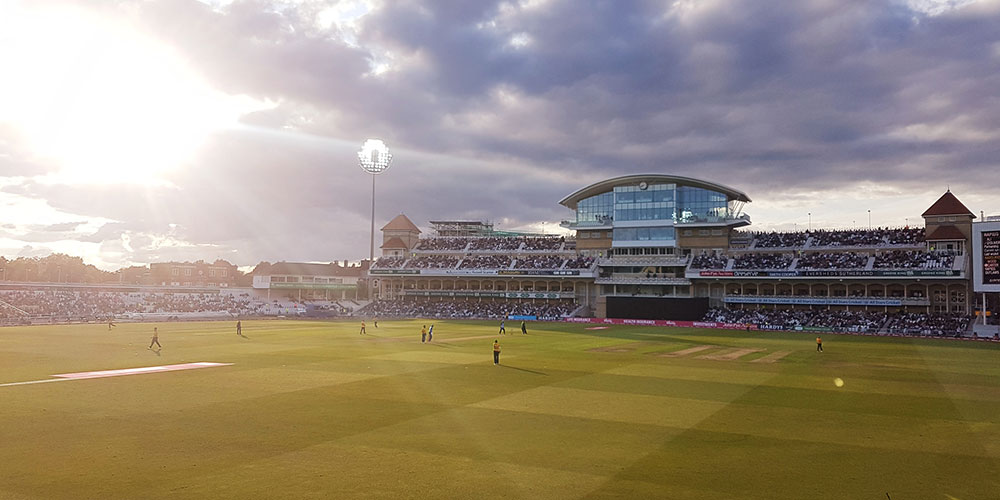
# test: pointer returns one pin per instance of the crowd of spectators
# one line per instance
(832, 260)
(868, 237)
(485, 262)
(389, 262)
(546, 243)
(709, 261)
(465, 309)
(97, 305)
(924, 324)
(781, 240)
(762, 261)
(579, 262)
(490, 243)
(539, 262)
(441, 244)
(495, 244)
(845, 321)
(768, 319)
(907, 259)
(849, 321)
(820, 238)
(905, 236)
(433, 262)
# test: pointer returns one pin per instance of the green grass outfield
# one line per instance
(314, 410)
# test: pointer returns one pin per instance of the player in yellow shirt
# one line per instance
(156, 339)
(423, 334)
(496, 352)
(819, 344)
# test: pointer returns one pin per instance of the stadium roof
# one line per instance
(609, 184)
(945, 233)
(462, 222)
(401, 223)
(948, 204)
(394, 242)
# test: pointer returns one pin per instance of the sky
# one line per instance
(146, 131)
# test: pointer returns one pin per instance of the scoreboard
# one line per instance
(986, 256)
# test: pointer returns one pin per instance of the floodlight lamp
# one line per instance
(374, 156)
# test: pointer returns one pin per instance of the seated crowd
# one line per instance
(93, 305)
(845, 321)
(762, 261)
(579, 262)
(441, 244)
(432, 262)
(923, 324)
(906, 259)
(485, 262)
(544, 243)
(867, 237)
(781, 240)
(539, 262)
(709, 261)
(768, 319)
(494, 243)
(389, 262)
(832, 260)
(490, 243)
(465, 309)
(882, 236)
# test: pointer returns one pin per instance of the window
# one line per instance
(584, 234)
(596, 209)
(187, 272)
(175, 272)
(211, 273)
(644, 233)
(716, 232)
(225, 273)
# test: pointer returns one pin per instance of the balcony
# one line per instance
(588, 224)
(644, 260)
(640, 279)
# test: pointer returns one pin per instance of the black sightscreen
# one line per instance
(692, 309)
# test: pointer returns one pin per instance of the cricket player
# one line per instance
(156, 339)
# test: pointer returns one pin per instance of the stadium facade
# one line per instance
(669, 247)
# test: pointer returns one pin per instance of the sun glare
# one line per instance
(100, 100)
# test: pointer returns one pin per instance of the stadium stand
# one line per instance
(829, 260)
(875, 322)
(465, 309)
(762, 261)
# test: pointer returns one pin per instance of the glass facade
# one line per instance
(700, 205)
(644, 233)
(595, 210)
(656, 202)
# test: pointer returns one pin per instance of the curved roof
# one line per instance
(609, 184)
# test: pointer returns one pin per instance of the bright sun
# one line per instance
(102, 101)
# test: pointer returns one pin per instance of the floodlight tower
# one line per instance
(374, 158)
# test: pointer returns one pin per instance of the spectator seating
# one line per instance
(465, 309)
